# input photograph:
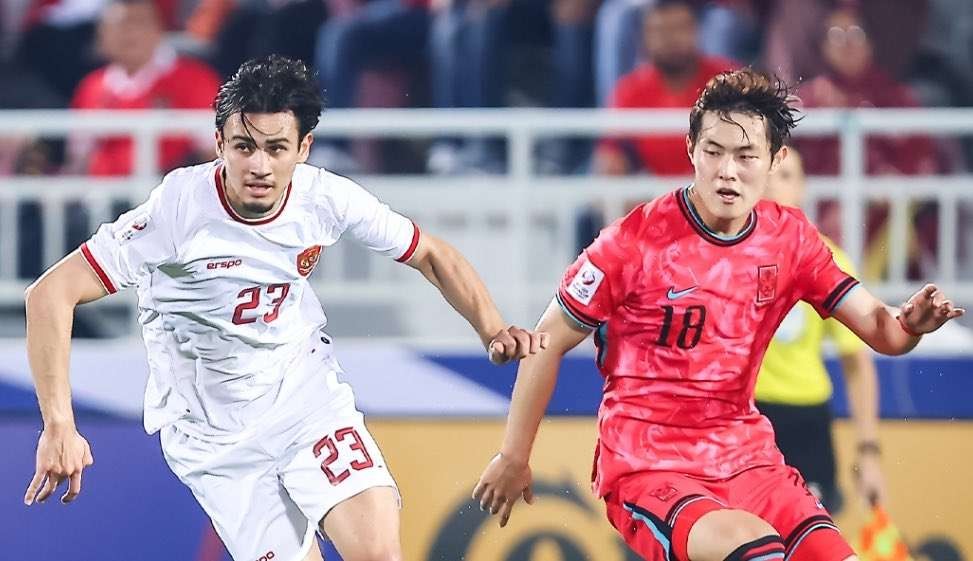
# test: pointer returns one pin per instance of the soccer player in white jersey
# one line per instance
(243, 382)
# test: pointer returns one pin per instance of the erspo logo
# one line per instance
(560, 525)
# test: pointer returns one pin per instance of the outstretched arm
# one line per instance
(508, 476)
(452, 274)
(895, 332)
(62, 453)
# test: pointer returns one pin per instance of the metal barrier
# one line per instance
(517, 228)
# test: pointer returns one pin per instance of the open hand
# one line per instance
(513, 343)
(62, 454)
(927, 310)
(502, 483)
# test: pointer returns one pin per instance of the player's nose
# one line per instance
(728, 167)
(260, 163)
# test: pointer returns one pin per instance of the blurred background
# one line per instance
(495, 124)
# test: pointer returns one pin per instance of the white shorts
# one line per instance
(266, 495)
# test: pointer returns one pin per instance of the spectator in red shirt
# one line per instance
(853, 79)
(143, 73)
(673, 79)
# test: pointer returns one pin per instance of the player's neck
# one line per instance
(725, 227)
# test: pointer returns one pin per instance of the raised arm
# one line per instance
(893, 331)
(508, 477)
(62, 453)
(452, 274)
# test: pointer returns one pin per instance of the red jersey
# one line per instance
(168, 82)
(683, 318)
(644, 88)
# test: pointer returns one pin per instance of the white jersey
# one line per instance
(226, 310)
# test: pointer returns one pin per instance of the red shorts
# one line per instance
(654, 511)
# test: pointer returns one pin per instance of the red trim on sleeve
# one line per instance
(93, 263)
(412, 246)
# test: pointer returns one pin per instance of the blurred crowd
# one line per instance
(122, 54)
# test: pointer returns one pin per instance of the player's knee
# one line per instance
(733, 535)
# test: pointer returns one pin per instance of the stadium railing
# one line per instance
(517, 228)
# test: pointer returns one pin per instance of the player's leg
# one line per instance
(237, 485)
(666, 516)
(332, 468)
(732, 535)
(779, 495)
(366, 527)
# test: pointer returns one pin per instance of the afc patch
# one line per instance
(766, 283)
(585, 283)
(308, 259)
(138, 226)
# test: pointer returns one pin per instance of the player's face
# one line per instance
(786, 185)
(260, 152)
(732, 164)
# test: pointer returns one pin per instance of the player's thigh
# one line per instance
(366, 527)
(654, 511)
(719, 533)
(333, 465)
(237, 487)
(779, 495)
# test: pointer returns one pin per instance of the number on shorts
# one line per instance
(358, 464)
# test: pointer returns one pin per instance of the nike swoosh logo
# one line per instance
(674, 294)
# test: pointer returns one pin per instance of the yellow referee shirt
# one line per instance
(793, 370)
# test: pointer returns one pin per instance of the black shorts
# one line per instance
(803, 434)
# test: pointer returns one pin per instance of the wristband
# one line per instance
(905, 327)
(869, 447)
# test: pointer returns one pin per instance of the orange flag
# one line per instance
(880, 540)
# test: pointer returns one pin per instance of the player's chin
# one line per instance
(258, 207)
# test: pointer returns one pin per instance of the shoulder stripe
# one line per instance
(93, 263)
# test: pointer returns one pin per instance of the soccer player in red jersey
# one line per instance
(683, 295)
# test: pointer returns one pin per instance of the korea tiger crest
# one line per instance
(308, 259)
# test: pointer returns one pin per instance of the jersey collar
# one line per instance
(693, 217)
(221, 193)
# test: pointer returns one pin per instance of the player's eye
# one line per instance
(243, 147)
(712, 152)
(277, 149)
(748, 157)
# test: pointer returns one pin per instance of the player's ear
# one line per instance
(689, 149)
(778, 158)
(219, 143)
(304, 150)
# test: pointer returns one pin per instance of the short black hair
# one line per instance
(750, 92)
(272, 84)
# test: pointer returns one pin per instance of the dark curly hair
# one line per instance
(750, 92)
(272, 84)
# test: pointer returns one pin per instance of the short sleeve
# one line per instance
(844, 339)
(597, 282)
(373, 224)
(822, 283)
(123, 252)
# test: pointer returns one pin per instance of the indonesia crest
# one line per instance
(307, 259)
